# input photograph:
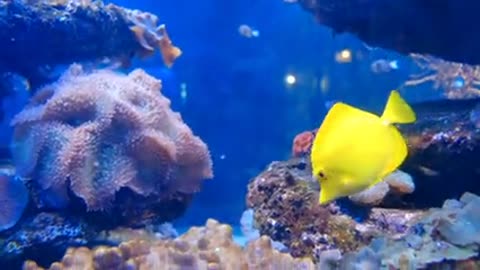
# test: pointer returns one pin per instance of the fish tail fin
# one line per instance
(397, 110)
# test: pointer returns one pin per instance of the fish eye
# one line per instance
(321, 174)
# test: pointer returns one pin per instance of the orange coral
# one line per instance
(149, 34)
(302, 143)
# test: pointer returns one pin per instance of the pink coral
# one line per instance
(92, 134)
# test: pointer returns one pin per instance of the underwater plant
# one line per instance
(92, 135)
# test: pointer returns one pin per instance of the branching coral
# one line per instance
(209, 247)
(457, 80)
(94, 134)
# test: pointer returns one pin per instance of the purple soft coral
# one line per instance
(93, 134)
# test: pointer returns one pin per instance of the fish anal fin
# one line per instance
(398, 154)
(397, 110)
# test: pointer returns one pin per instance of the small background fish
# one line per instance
(247, 31)
(383, 66)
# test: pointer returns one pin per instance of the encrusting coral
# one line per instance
(95, 134)
(209, 247)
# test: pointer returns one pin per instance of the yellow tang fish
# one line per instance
(354, 149)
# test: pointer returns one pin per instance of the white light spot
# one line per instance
(290, 79)
(346, 54)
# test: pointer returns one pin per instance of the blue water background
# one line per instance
(238, 102)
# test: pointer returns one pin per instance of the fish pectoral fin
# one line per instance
(397, 110)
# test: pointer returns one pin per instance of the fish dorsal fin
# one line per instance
(338, 116)
(397, 110)
(336, 132)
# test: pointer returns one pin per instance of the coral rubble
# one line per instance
(442, 28)
(67, 31)
(109, 142)
(209, 247)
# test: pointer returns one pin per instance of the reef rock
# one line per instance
(108, 144)
(444, 146)
(443, 236)
(441, 28)
(67, 31)
(284, 201)
(42, 237)
(209, 247)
